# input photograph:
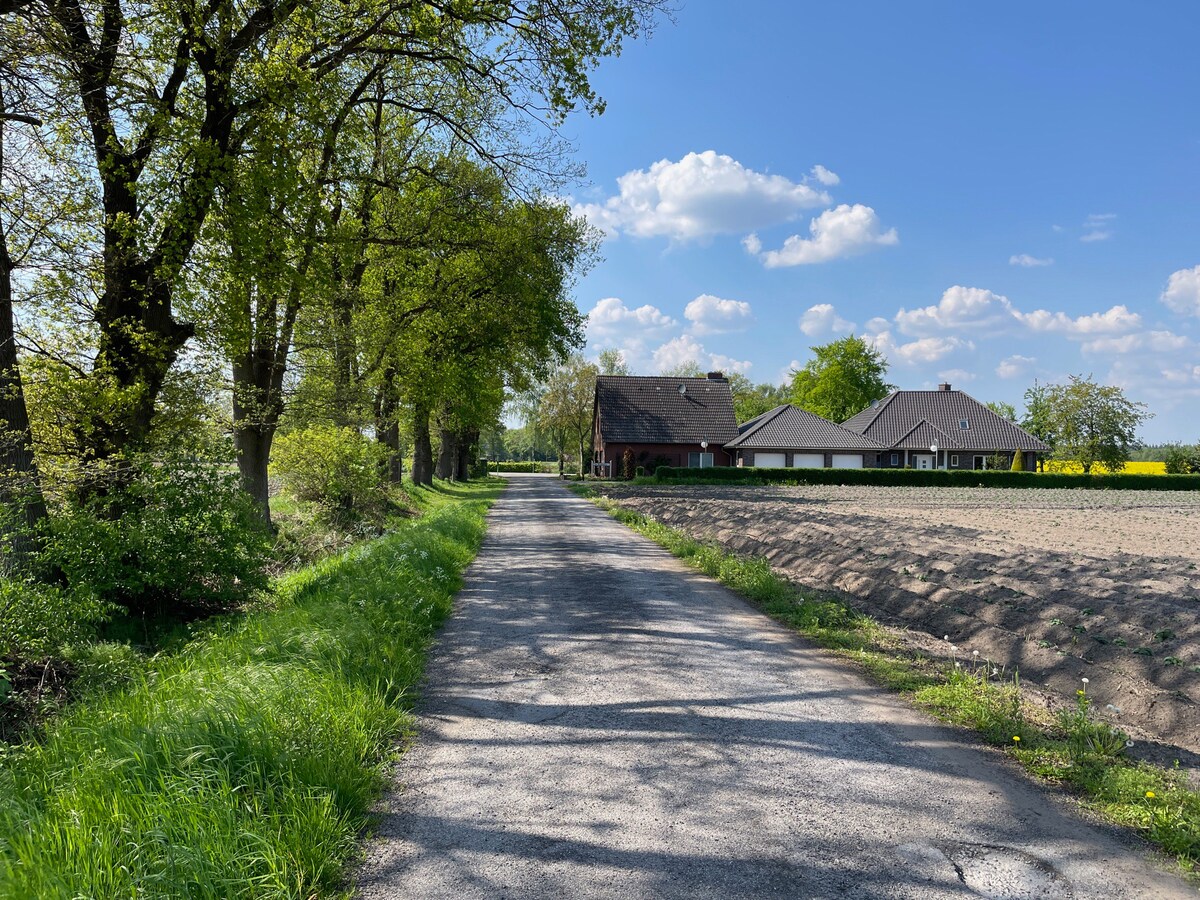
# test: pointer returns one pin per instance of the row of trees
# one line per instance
(231, 220)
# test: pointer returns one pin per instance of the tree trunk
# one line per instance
(447, 462)
(253, 444)
(387, 425)
(19, 484)
(468, 444)
(422, 464)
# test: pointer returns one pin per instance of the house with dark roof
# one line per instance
(788, 436)
(661, 421)
(965, 433)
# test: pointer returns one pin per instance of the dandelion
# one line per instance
(945, 637)
(1129, 743)
(975, 653)
(1085, 681)
(1150, 795)
(957, 664)
(1113, 708)
(1017, 738)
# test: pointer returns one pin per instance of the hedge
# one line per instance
(1001, 478)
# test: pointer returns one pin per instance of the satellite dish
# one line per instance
(683, 389)
(874, 404)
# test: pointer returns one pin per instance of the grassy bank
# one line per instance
(1072, 748)
(243, 765)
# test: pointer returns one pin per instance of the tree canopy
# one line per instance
(1093, 424)
(843, 378)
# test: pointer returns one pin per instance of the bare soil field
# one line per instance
(1058, 584)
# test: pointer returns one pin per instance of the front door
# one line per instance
(922, 461)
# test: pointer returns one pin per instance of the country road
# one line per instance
(601, 721)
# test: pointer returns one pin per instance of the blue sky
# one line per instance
(989, 193)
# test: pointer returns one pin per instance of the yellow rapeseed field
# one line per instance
(1132, 468)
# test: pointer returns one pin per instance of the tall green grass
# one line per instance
(243, 766)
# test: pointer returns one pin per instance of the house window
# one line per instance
(964, 424)
(954, 461)
(700, 460)
(895, 459)
(980, 462)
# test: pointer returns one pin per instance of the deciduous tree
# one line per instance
(843, 378)
(1095, 424)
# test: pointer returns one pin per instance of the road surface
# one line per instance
(601, 721)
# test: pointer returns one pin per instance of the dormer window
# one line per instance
(964, 425)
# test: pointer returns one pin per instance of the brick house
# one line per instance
(661, 421)
(790, 437)
(966, 433)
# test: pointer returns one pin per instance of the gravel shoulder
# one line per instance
(601, 721)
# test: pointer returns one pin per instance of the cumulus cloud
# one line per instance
(825, 177)
(713, 315)
(1098, 227)
(923, 350)
(611, 319)
(1015, 366)
(686, 348)
(1183, 292)
(842, 231)
(823, 319)
(976, 308)
(701, 195)
(1029, 262)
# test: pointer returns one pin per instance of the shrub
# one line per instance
(928, 478)
(36, 620)
(1183, 460)
(176, 536)
(1018, 461)
(335, 467)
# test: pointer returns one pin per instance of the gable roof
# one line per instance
(788, 427)
(651, 410)
(913, 419)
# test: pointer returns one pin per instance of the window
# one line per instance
(954, 461)
(895, 459)
(700, 460)
(964, 424)
(980, 462)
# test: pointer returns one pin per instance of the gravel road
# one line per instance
(601, 721)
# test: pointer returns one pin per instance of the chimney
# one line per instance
(716, 376)
(944, 386)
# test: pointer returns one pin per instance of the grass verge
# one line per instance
(1072, 749)
(245, 764)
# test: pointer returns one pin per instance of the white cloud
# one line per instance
(975, 308)
(1098, 227)
(686, 348)
(842, 231)
(823, 175)
(823, 319)
(1183, 292)
(712, 315)
(923, 350)
(1015, 366)
(611, 319)
(1026, 261)
(785, 374)
(956, 376)
(701, 195)
(1152, 341)
(1112, 321)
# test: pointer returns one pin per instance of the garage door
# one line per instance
(847, 461)
(769, 460)
(808, 460)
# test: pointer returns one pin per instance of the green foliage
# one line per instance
(612, 362)
(565, 410)
(750, 400)
(1093, 424)
(335, 467)
(1006, 411)
(1018, 461)
(927, 478)
(541, 466)
(37, 619)
(173, 536)
(844, 378)
(1183, 460)
(246, 765)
